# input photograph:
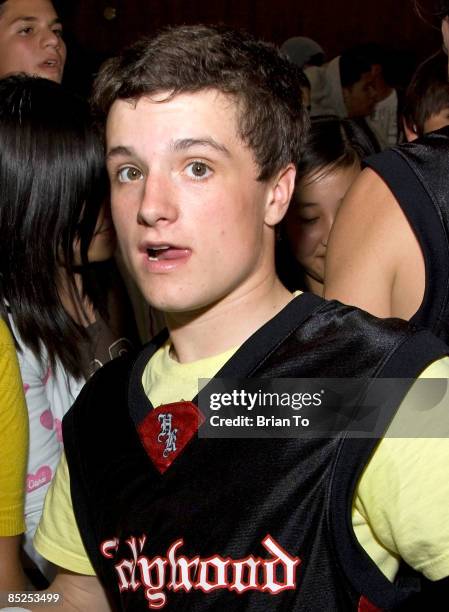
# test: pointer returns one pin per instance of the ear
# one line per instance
(410, 132)
(279, 196)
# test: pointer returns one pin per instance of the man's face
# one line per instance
(360, 98)
(189, 212)
(31, 39)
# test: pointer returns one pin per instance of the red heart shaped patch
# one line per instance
(166, 431)
(366, 606)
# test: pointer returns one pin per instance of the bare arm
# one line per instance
(12, 576)
(373, 259)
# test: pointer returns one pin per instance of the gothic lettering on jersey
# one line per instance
(168, 433)
(175, 572)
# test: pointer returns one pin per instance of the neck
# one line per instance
(227, 323)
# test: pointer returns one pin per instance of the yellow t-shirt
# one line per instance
(401, 500)
(13, 438)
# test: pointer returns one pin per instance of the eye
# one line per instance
(308, 221)
(57, 32)
(198, 170)
(129, 174)
(25, 31)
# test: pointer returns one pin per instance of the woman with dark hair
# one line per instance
(55, 230)
(330, 164)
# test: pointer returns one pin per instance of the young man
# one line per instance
(384, 118)
(31, 39)
(203, 134)
(344, 86)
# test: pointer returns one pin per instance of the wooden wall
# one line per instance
(98, 28)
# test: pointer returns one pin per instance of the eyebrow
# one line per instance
(119, 151)
(181, 144)
(186, 143)
(31, 19)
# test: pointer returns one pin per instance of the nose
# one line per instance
(158, 203)
(52, 39)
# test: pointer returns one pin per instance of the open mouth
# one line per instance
(158, 253)
(51, 63)
(166, 253)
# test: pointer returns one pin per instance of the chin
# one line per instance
(174, 304)
(168, 306)
(51, 76)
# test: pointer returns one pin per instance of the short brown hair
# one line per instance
(272, 121)
(428, 92)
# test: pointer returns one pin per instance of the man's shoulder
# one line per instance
(369, 241)
(370, 203)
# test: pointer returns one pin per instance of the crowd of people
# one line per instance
(282, 217)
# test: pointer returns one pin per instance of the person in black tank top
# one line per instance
(389, 251)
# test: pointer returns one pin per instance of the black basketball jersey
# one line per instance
(239, 525)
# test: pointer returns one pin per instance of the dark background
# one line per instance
(96, 29)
